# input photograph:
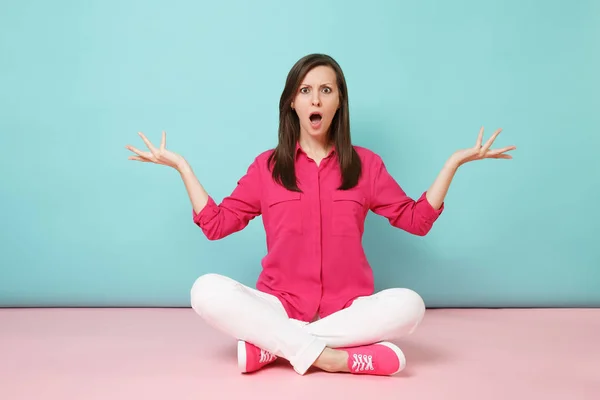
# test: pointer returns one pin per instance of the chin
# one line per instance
(316, 133)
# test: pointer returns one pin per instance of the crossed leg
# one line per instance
(260, 319)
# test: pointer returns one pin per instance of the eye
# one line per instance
(304, 90)
(326, 90)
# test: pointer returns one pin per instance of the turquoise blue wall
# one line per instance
(83, 226)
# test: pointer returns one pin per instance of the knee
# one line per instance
(207, 292)
(407, 305)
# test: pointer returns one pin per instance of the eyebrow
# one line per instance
(324, 84)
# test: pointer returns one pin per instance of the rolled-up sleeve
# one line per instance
(235, 211)
(389, 200)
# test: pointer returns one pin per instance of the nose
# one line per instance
(316, 101)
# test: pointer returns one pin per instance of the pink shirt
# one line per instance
(315, 262)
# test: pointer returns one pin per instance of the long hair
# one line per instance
(283, 157)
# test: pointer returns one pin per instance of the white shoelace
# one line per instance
(265, 356)
(362, 362)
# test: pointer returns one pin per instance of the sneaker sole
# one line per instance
(242, 357)
(399, 353)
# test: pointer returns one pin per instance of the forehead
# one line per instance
(320, 74)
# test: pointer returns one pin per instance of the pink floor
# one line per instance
(170, 354)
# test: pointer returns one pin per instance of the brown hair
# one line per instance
(282, 159)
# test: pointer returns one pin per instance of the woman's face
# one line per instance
(317, 101)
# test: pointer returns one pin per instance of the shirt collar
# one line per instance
(299, 150)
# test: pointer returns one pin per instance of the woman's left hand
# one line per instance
(479, 151)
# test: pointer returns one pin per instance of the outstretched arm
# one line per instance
(388, 199)
(163, 156)
(216, 221)
(198, 196)
(438, 190)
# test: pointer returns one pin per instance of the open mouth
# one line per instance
(315, 118)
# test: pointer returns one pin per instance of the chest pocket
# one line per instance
(348, 213)
(284, 213)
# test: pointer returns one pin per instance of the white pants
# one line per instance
(260, 319)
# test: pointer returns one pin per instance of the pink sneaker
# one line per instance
(252, 358)
(381, 358)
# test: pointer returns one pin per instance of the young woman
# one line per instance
(314, 302)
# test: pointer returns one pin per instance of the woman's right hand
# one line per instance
(158, 155)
